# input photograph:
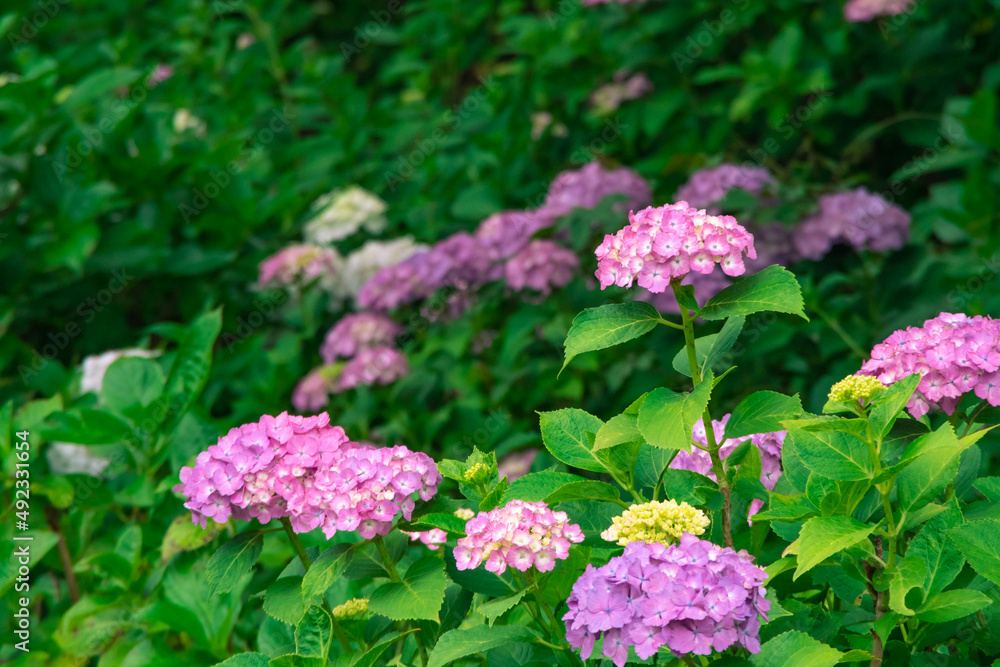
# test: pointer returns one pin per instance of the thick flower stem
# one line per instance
(390, 567)
(306, 564)
(713, 446)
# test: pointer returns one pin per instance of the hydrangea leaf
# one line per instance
(418, 596)
(606, 326)
(724, 341)
(890, 403)
(796, 649)
(762, 412)
(702, 347)
(132, 382)
(295, 660)
(497, 607)
(245, 660)
(283, 600)
(650, 464)
(822, 537)
(833, 454)
(191, 364)
(457, 644)
(314, 633)
(908, 573)
(772, 289)
(537, 486)
(952, 605)
(325, 570)
(185, 535)
(585, 490)
(618, 430)
(934, 467)
(979, 542)
(564, 433)
(932, 546)
(449, 523)
(371, 656)
(667, 419)
(226, 568)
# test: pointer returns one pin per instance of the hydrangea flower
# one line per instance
(541, 266)
(507, 233)
(433, 538)
(866, 10)
(341, 213)
(586, 187)
(376, 365)
(517, 465)
(856, 388)
(656, 521)
(699, 461)
(864, 220)
(693, 597)
(707, 187)
(623, 87)
(956, 354)
(353, 608)
(362, 264)
(357, 332)
(666, 243)
(313, 391)
(298, 263)
(520, 535)
(306, 470)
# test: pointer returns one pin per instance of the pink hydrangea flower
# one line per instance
(432, 539)
(707, 187)
(517, 465)
(357, 332)
(862, 219)
(866, 10)
(666, 243)
(298, 263)
(313, 391)
(376, 365)
(693, 597)
(507, 233)
(519, 535)
(955, 354)
(306, 470)
(541, 266)
(587, 186)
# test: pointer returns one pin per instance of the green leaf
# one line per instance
(458, 644)
(586, 490)
(702, 345)
(245, 660)
(618, 430)
(497, 607)
(795, 649)
(283, 600)
(934, 468)
(293, 660)
(650, 464)
(313, 634)
(979, 542)
(371, 656)
(226, 568)
(908, 573)
(833, 454)
(822, 537)
(931, 545)
(418, 596)
(325, 570)
(192, 361)
(449, 523)
(185, 535)
(686, 485)
(537, 486)
(762, 412)
(667, 419)
(952, 605)
(890, 403)
(772, 289)
(786, 508)
(564, 433)
(724, 342)
(603, 327)
(132, 381)
(99, 83)
(493, 498)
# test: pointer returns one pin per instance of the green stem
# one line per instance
(679, 327)
(390, 567)
(840, 331)
(887, 506)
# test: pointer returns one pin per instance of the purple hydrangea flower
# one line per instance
(586, 187)
(375, 365)
(541, 266)
(864, 220)
(707, 187)
(357, 332)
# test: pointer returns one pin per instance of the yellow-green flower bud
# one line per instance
(477, 473)
(656, 521)
(856, 388)
(351, 609)
(464, 514)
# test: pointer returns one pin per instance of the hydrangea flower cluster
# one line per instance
(707, 187)
(656, 521)
(357, 332)
(306, 470)
(858, 217)
(699, 461)
(668, 242)
(586, 187)
(341, 213)
(856, 388)
(507, 233)
(435, 537)
(517, 465)
(623, 87)
(362, 264)
(520, 535)
(954, 353)
(866, 10)
(692, 597)
(351, 609)
(298, 263)
(376, 365)
(541, 266)
(313, 391)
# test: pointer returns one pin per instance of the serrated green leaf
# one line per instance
(606, 326)
(795, 649)
(325, 570)
(585, 490)
(890, 403)
(458, 644)
(724, 342)
(314, 633)
(833, 454)
(564, 433)
(762, 412)
(537, 486)
(497, 607)
(952, 605)
(932, 469)
(185, 535)
(908, 573)
(822, 537)
(418, 596)
(702, 346)
(226, 568)
(245, 660)
(667, 419)
(449, 523)
(283, 600)
(772, 289)
(979, 542)
(931, 545)
(618, 430)
(375, 651)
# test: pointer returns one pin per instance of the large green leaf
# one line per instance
(564, 433)
(833, 454)
(762, 412)
(325, 570)
(458, 644)
(585, 490)
(314, 633)
(952, 605)
(418, 596)
(724, 341)
(245, 660)
(497, 607)
(890, 403)
(979, 542)
(192, 361)
(132, 381)
(667, 419)
(283, 600)
(795, 649)
(908, 573)
(226, 568)
(185, 535)
(702, 345)
(931, 470)
(375, 651)
(618, 430)
(537, 486)
(772, 289)
(822, 537)
(931, 545)
(613, 324)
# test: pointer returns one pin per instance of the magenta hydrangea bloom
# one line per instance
(866, 10)
(298, 263)
(520, 534)
(864, 220)
(306, 470)
(707, 187)
(541, 266)
(313, 391)
(507, 233)
(954, 353)
(586, 187)
(699, 461)
(666, 243)
(376, 365)
(693, 597)
(357, 332)
(432, 539)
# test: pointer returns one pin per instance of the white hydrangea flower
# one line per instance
(362, 264)
(340, 213)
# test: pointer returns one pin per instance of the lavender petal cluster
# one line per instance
(955, 354)
(707, 187)
(520, 535)
(866, 10)
(587, 186)
(699, 461)
(356, 332)
(298, 263)
(693, 597)
(541, 266)
(307, 470)
(864, 220)
(375, 365)
(507, 233)
(668, 242)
